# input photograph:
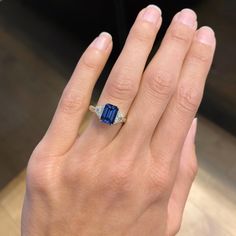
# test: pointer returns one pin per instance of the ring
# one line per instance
(108, 114)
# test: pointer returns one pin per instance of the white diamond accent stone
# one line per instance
(119, 118)
(99, 110)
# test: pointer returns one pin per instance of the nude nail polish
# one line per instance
(102, 41)
(206, 35)
(187, 17)
(152, 14)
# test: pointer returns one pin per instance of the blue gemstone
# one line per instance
(109, 114)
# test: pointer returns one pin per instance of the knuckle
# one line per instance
(199, 57)
(37, 173)
(180, 34)
(200, 54)
(121, 87)
(118, 180)
(72, 101)
(161, 83)
(143, 32)
(192, 170)
(159, 182)
(91, 59)
(188, 99)
(37, 182)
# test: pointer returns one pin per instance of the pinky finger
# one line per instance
(184, 179)
(76, 96)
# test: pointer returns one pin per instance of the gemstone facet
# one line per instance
(109, 114)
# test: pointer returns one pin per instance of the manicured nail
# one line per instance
(102, 41)
(187, 17)
(193, 130)
(152, 14)
(206, 35)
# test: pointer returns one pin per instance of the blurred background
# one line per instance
(40, 44)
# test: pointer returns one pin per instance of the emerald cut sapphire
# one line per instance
(109, 114)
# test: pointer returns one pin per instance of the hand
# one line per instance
(130, 179)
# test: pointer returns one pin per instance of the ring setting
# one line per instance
(108, 114)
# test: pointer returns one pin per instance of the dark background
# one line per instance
(41, 41)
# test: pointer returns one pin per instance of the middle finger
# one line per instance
(161, 76)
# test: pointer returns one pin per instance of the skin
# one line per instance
(130, 179)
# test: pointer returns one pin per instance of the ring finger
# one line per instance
(123, 82)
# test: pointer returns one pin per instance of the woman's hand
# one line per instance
(132, 179)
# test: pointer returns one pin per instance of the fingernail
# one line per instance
(152, 14)
(206, 35)
(192, 131)
(187, 17)
(102, 41)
